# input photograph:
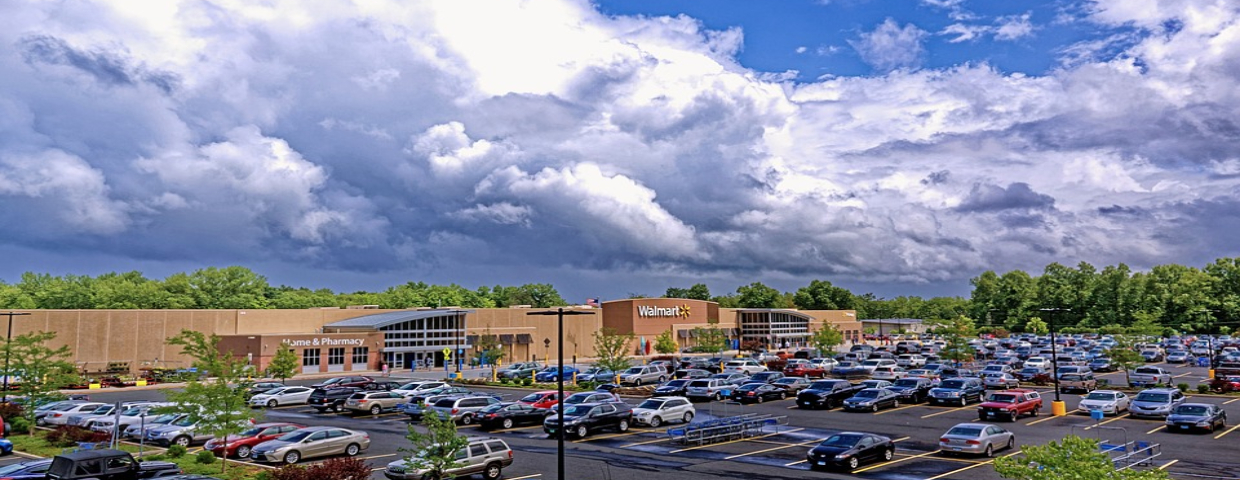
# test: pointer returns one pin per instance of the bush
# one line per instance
(20, 424)
(69, 436)
(10, 410)
(527, 381)
(205, 457)
(1203, 388)
(1182, 386)
(339, 469)
(175, 451)
(289, 472)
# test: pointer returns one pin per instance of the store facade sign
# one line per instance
(652, 311)
(324, 342)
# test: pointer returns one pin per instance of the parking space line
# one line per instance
(648, 442)
(953, 472)
(1183, 374)
(737, 440)
(794, 463)
(898, 409)
(536, 475)
(1051, 417)
(1106, 421)
(901, 439)
(1168, 464)
(377, 456)
(893, 462)
(1225, 432)
(950, 410)
(1229, 401)
(632, 431)
(781, 447)
(1155, 429)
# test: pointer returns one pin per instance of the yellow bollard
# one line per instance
(95, 386)
(140, 383)
(1058, 408)
(574, 378)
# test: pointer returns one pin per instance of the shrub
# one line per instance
(289, 472)
(1203, 388)
(205, 457)
(175, 451)
(10, 410)
(69, 436)
(527, 381)
(1182, 386)
(20, 424)
(263, 475)
(339, 469)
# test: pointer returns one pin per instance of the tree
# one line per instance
(826, 338)
(1036, 326)
(1075, 457)
(283, 365)
(710, 339)
(757, 295)
(1124, 355)
(958, 332)
(697, 292)
(822, 295)
(665, 343)
(490, 352)
(219, 404)
(38, 370)
(611, 349)
(434, 452)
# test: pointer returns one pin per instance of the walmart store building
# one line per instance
(353, 339)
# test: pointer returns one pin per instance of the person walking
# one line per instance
(384, 366)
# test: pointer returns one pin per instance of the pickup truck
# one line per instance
(1148, 376)
(1010, 405)
(106, 464)
(1227, 369)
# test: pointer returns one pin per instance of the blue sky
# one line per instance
(899, 147)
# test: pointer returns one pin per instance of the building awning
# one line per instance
(684, 333)
(471, 339)
(506, 338)
(380, 320)
(524, 339)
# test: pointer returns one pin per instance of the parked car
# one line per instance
(183, 432)
(486, 456)
(414, 388)
(1028, 374)
(765, 377)
(1101, 364)
(381, 385)
(912, 389)
(875, 384)
(758, 392)
(138, 430)
(61, 417)
(324, 399)
(1152, 355)
(1189, 416)
(260, 387)
(1147, 375)
(584, 418)
(553, 373)
(639, 375)
(1108, 401)
(657, 411)
(848, 450)
(872, 400)
(239, 445)
(541, 400)
(350, 381)
(519, 370)
(587, 397)
(1010, 405)
(373, 402)
(911, 360)
(958, 391)
(1178, 356)
(793, 385)
(888, 372)
(673, 388)
(28, 470)
(747, 366)
(708, 389)
(1155, 402)
(976, 438)
(1078, 382)
(691, 374)
(311, 442)
(596, 374)
(508, 414)
(734, 379)
(419, 402)
(462, 409)
(1000, 380)
(826, 394)
(869, 366)
(283, 396)
(106, 464)
(131, 415)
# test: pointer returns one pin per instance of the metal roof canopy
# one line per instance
(380, 320)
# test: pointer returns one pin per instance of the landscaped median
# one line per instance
(38, 445)
(527, 384)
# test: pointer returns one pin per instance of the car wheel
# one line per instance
(760, 399)
(990, 451)
(782, 395)
(888, 454)
(292, 457)
(582, 431)
(272, 403)
(964, 401)
(492, 472)
(181, 440)
(874, 408)
(637, 382)
(352, 450)
(852, 463)
(662, 379)
(507, 423)
(1011, 443)
(718, 397)
(655, 422)
(832, 403)
(688, 417)
(1035, 411)
(467, 419)
(895, 404)
(243, 451)
(623, 426)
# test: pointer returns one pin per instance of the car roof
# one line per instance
(1196, 405)
(90, 454)
(971, 425)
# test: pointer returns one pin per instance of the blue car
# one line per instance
(32, 470)
(551, 374)
(6, 447)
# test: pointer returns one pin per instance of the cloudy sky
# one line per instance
(616, 147)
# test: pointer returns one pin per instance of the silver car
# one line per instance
(1110, 402)
(656, 411)
(976, 438)
(1155, 402)
(643, 374)
(138, 430)
(311, 442)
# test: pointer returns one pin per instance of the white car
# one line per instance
(281, 396)
(1038, 362)
(747, 366)
(129, 416)
(888, 372)
(911, 360)
(872, 364)
(824, 363)
(413, 388)
(61, 417)
(1110, 402)
(660, 410)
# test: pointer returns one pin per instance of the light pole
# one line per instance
(1057, 407)
(8, 348)
(559, 380)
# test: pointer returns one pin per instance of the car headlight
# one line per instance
(1203, 423)
(841, 456)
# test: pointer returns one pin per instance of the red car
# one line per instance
(803, 368)
(543, 399)
(239, 445)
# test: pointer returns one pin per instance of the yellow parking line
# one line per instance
(1183, 374)
(794, 463)
(737, 440)
(1225, 432)
(1050, 417)
(1107, 421)
(1168, 464)
(897, 409)
(950, 410)
(536, 475)
(802, 444)
(893, 462)
(1155, 429)
(953, 472)
(377, 456)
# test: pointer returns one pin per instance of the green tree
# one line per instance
(1124, 355)
(822, 295)
(283, 365)
(1075, 457)
(665, 343)
(826, 338)
(697, 292)
(757, 295)
(611, 349)
(218, 404)
(957, 332)
(228, 288)
(38, 371)
(434, 452)
(1036, 326)
(490, 351)
(710, 339)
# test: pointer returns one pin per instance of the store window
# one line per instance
(335, 356)
(361, 354)
(310, 357)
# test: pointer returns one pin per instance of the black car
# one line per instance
(583, 418)
(758, 392)
(765, 377)
(850, 449)
(872, 400)
(508, 415)
(106, 464)
(674, 388)
(825, 394)
(1101, 364)
(324, 399)
(958, 391)
(912, 389)
(338, 382)
(1188, 416)
(383, 386)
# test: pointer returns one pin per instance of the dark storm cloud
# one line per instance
(106, 67)
(1018, 195)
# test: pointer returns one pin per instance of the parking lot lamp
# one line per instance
(559, 380)
(8, 347)
(1057, 407)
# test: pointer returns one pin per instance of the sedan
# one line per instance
(674, 388)
(1000, 380)
(1177, 357)
(1188, 416)
(758, 392)
(541, 400)
(597, 374)
(261, 387)
(281, 396)
(311, 442)
(872, 399)
(509, 414)
(849, 449)
(239, 445)
(552, 374)
(792, 384)
(657, 411)
(976, 438)
(1110, 402)
(28, 470)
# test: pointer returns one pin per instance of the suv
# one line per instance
(1155, 402)
(1010, 404)
(1084, 382)
(581, 419)
(106, 464)
(462, 409)
(708, 389)
(958, 390)
(826, 394)
(373, 402)
(643, 374)
(912, 389)
(765, 377)
(520, 370)
(587, 397)
(488, 456)
(747, 366)
(324, 399)
(181, 432)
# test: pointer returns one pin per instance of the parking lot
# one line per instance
(779, 452)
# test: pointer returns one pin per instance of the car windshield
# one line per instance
(102, 410)
(132, 411)
(294, 436)
(750, 386)
(408, 386)
(676, 383)
(1002, 398)
(869, 393)
(576, 399)
(165, 418)
(965, 431)
(595, 370)
(841, 441)
(576, 411)
(1153, 397)
(493, 408)
(907, 382)
(952, 384)
(10, 469)
(533, 397)
(651, 404)
(1190, 410)
(184, 422)
(634, 370)
(699, 383)
(1100, 396)
(251, 432)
